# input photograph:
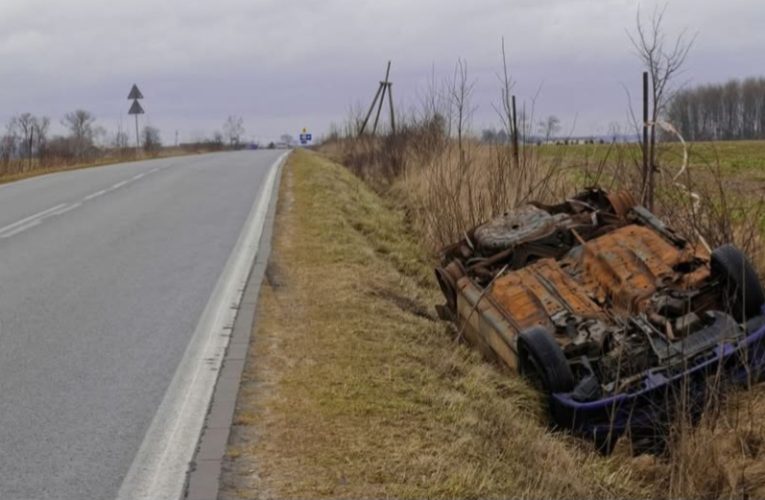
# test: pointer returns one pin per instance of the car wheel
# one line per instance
(542, 362)
(741, 285)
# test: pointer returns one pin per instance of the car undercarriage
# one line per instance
(595, 297)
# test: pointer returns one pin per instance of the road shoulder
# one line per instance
(202, 482)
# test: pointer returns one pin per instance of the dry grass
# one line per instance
(445, 192)
(448, 188)
(352, 391)
(721, 457)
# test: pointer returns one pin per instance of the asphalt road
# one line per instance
(104, 274)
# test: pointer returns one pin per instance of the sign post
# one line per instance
(305, 137)
(136, 110)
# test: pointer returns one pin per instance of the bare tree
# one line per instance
(9, 143)
(217, 140)
(23, 125)
(80, 125)
(40, 129)
(732, 110)
(7, 148)
(460, 91)
(663, 59)
(549, 127)
(507, 111)
(29, 133)
(120, 141)
(233, 129)
(286, 139)
(151, 139)
(489, 136)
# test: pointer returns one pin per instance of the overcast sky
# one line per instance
(283, 65)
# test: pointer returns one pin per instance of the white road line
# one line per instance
(29, 223)
(31, 217)
(21, 229)
(64, 210)
(95, 195)
(160, 466)
(34, 220)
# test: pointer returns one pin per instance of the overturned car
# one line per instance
(607, 310)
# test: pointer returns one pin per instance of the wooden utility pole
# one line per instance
(385, 86)
(371, 108)
(390, 105)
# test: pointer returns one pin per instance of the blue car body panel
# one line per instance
(737, 363)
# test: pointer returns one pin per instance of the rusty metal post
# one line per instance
(515, 134)
(647, 187)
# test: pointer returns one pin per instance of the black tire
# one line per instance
(741, 286)
(541, 360)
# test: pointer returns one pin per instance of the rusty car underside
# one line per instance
(619, 291)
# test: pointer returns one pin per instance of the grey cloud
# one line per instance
(284, 65)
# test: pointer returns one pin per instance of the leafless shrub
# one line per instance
(704, 204)
(151, 140)
(662, 60)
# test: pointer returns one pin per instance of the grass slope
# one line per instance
(353, 390)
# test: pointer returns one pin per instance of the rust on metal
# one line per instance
(627, 266)
(582, 269)
(536, 293)
(622, 202)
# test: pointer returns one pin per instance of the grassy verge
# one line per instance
(353, 390)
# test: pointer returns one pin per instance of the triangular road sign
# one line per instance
(135, 109)
(135, 93)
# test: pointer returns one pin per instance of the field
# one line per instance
(732, 156)
(742, 161)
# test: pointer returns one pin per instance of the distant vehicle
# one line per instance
(608, 311)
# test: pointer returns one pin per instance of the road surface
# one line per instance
(104, 276)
